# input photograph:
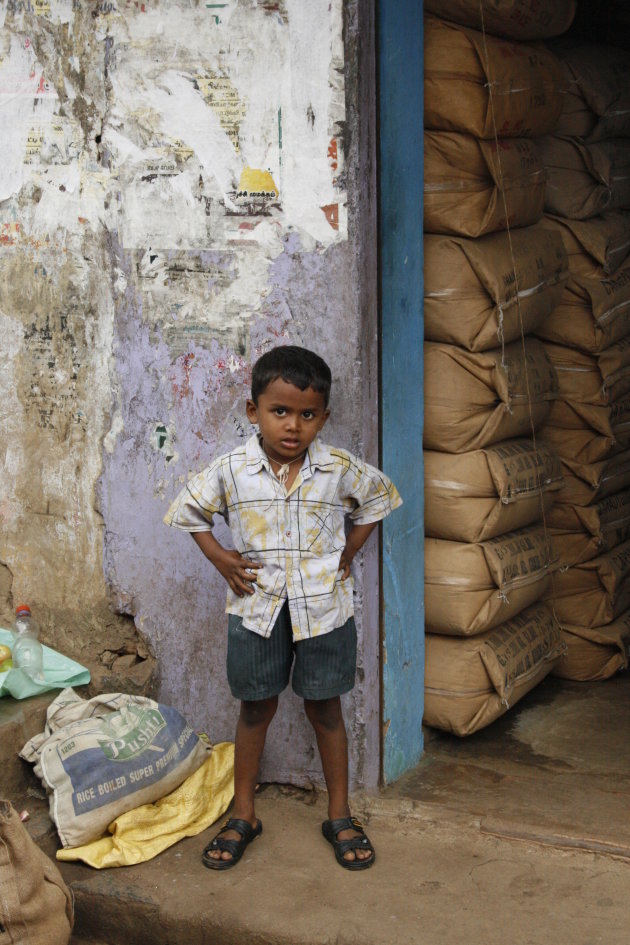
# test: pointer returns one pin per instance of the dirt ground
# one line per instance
(520, 832)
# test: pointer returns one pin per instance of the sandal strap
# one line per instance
(345, 823)
(242, 827)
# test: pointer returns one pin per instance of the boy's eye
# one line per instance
(280, 411)
(308, 414)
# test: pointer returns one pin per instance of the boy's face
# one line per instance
(288, 418)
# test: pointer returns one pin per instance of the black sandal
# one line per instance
(235, 847)
(331, 828)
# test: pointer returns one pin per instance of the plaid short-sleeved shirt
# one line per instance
(297, 535)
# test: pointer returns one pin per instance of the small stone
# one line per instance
(123, 663)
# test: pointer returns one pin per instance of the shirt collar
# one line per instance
(317, 457)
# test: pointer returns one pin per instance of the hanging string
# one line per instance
(490, 86)
(283, 472)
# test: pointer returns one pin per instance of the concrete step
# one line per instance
(20, 719)
(523, 827)
(435, 880)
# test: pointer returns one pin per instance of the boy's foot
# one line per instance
(352, 847)
(229, 844)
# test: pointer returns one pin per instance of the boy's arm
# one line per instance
(239, 572)
(357, 537)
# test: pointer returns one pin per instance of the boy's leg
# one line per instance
(326, 717)
(251, 731)
(255, 666)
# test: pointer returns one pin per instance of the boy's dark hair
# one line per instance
(297, 366)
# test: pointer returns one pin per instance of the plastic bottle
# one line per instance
(27, 650)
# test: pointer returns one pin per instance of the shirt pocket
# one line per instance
(321, 533)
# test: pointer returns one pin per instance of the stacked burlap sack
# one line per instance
(493, 276)
(587, 338)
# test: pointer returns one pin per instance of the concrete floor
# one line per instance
(518, 833)
(554, 769)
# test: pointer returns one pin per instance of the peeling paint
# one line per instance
(116, 428)
(172, 204)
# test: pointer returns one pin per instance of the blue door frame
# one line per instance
(400, 110)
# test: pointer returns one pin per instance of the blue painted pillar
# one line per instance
(400, 107)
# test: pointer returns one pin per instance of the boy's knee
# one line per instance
(260, 712)
(324, 713)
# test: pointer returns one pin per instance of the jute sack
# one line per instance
(577, 119)
(606, 429)
(614, 367)
(573, 547)
(579, 378)
(608, 520)
(595, 653)
(514, 19)
(584, 446)
(475, 399)
(479, 495)
(582, 533)
(599, 100)
(605, 424)
(585, 179)
(575, 416)
(470, 683)
(595, 592)
(100, 757)
(481, 292)
(471, 587)
(585, 483)
(593, 312)
(606, 238)
(36, 906)
(580, 262)
(619, 414)
(463, 69)
(596, 379)
(471, 188)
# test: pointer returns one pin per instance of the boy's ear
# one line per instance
(252, 411)
(325, 417)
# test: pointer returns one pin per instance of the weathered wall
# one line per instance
(184, 186)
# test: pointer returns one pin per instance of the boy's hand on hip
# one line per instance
(239, 572)
(344, 563)
(355, 540)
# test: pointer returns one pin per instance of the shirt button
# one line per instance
(288, 534)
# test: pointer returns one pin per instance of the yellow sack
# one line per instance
(141, 834)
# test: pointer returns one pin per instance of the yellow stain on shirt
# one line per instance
(254, 524)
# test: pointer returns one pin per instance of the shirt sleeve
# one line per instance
(375, 494)
(197, 503)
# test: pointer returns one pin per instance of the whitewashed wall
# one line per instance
(182, 186)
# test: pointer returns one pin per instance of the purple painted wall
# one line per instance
(179, 398)
(158, 574)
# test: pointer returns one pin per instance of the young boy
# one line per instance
(285, 496)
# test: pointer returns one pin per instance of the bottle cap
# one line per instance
(22, 609)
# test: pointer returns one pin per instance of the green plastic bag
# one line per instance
(59, 672)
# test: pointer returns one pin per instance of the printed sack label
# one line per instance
(109, 755)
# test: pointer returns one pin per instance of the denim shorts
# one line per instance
(260, 667)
